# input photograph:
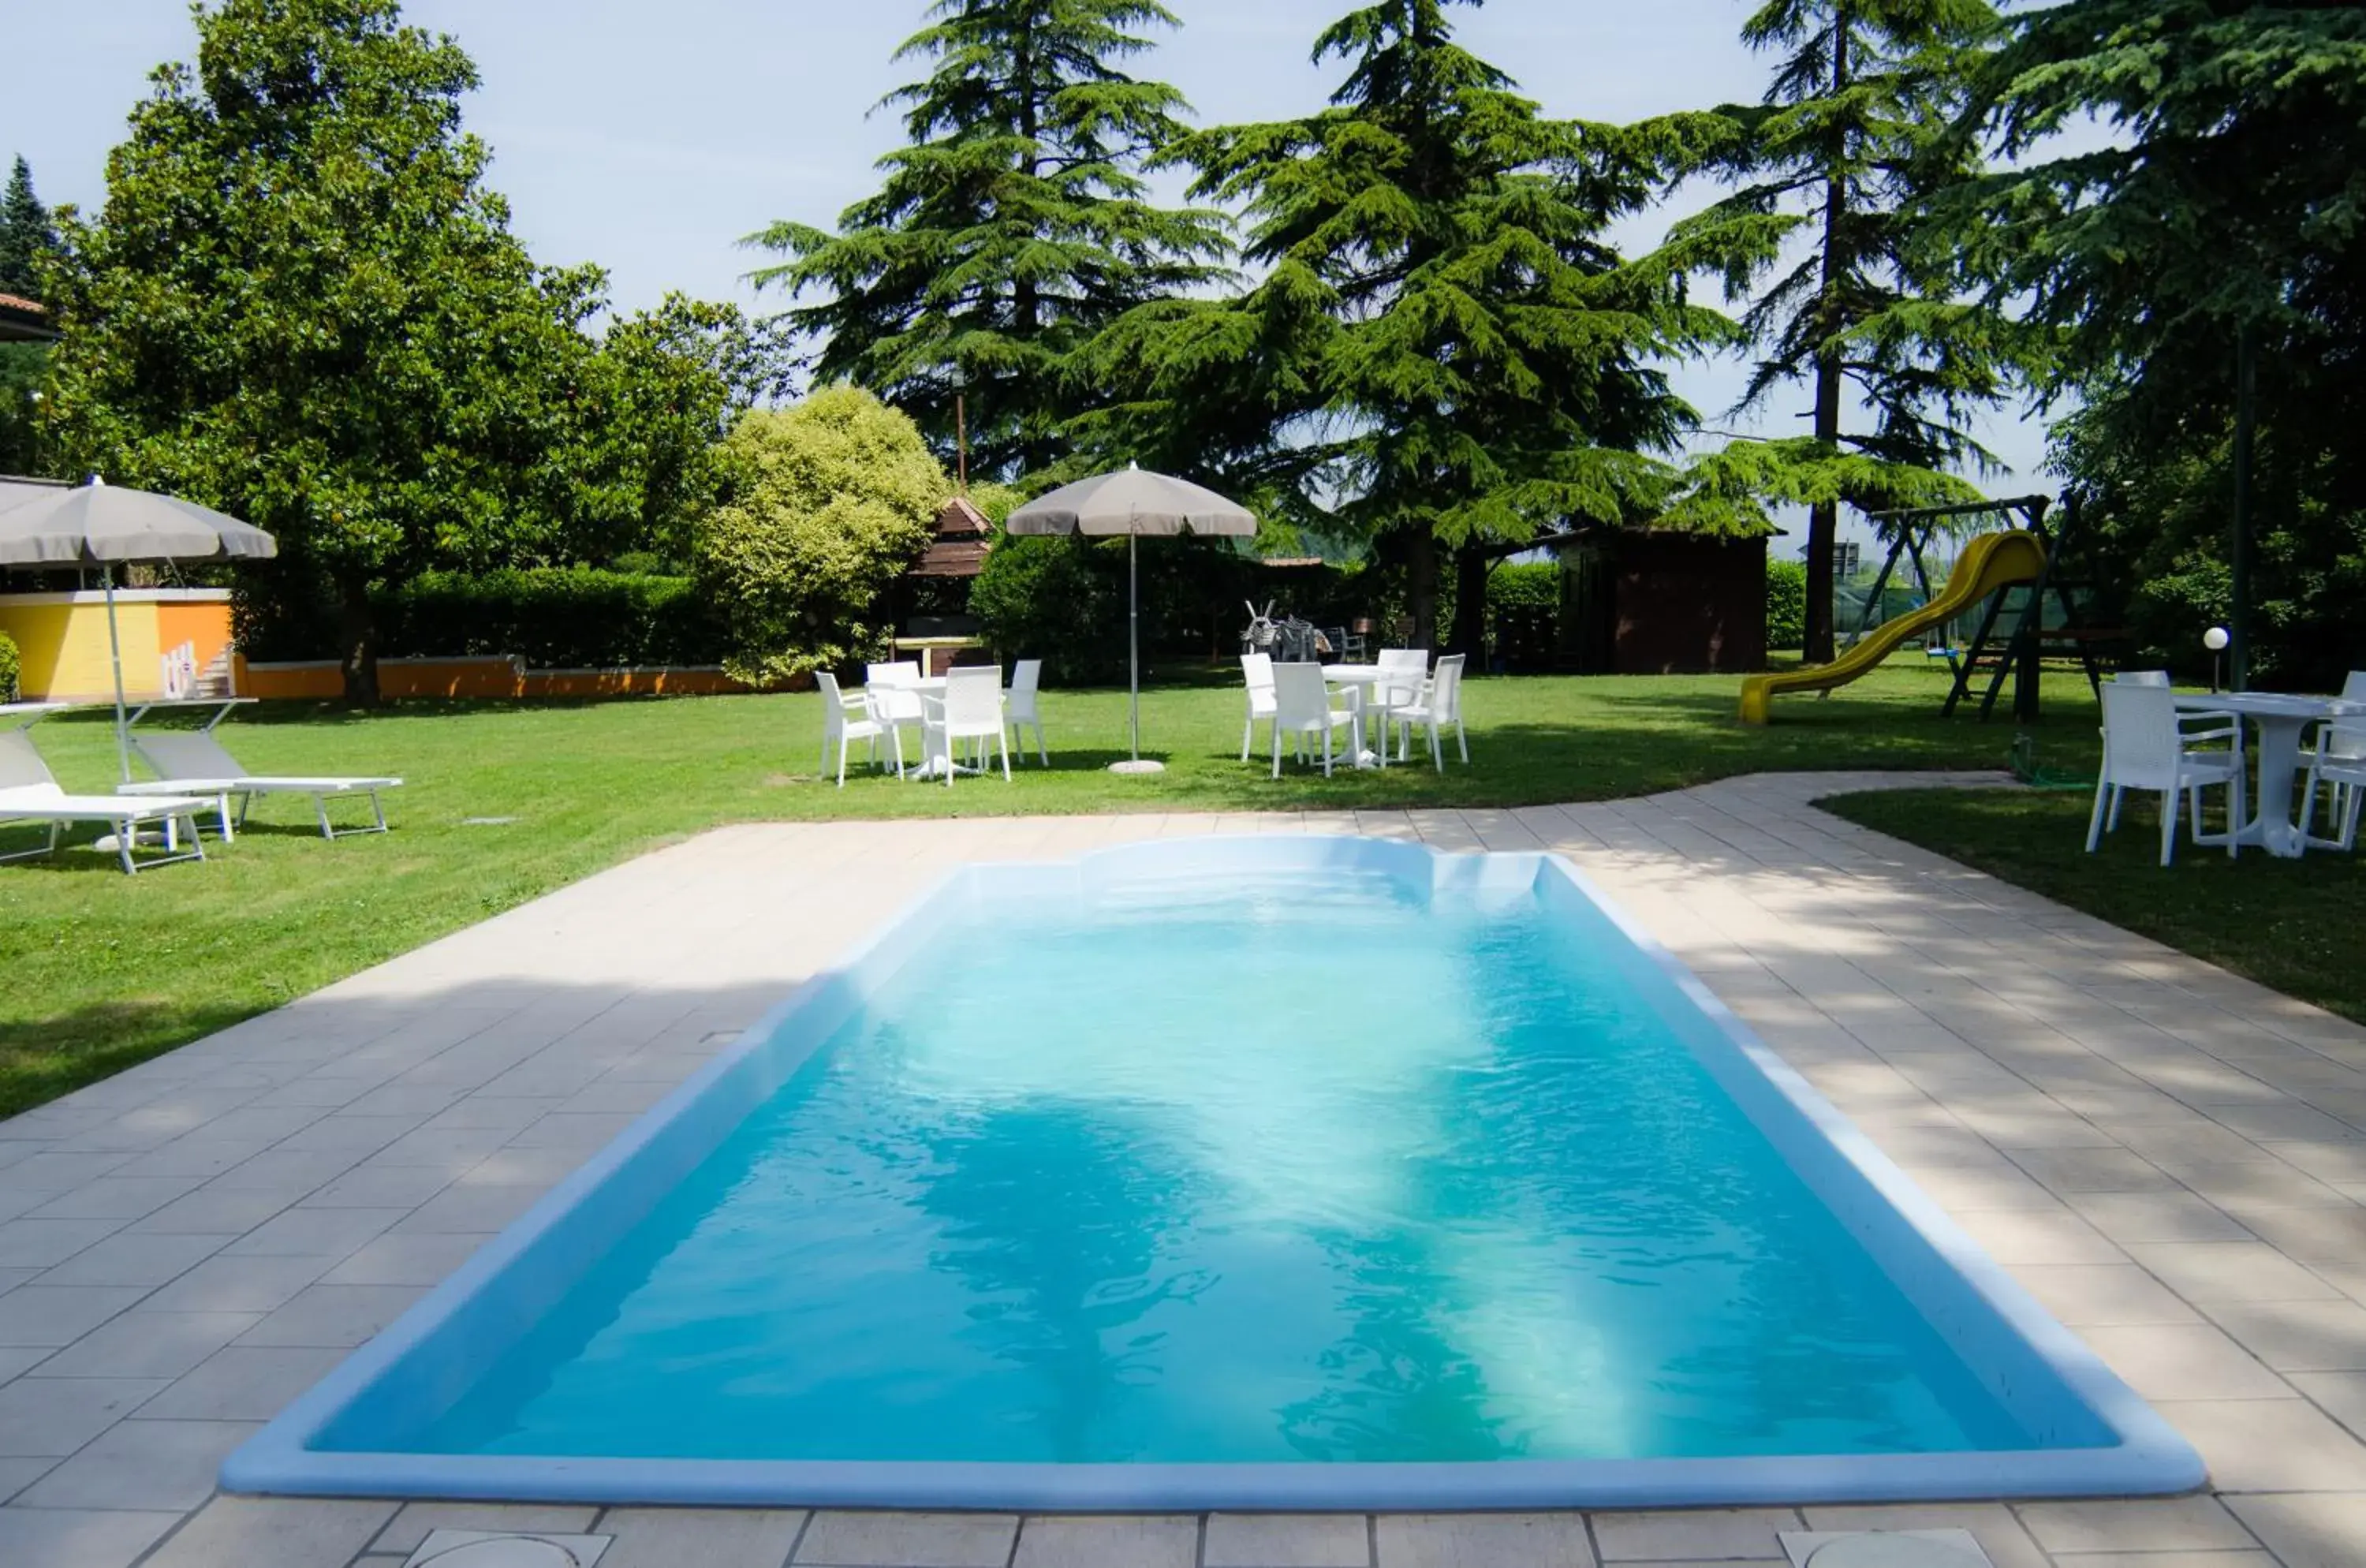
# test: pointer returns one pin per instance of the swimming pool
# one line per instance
(1277, 1172)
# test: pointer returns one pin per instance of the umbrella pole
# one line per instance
(1132, 641)
(115, 653)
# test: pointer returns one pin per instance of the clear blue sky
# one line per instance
(649, 138)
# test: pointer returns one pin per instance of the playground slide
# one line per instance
(1990, 562)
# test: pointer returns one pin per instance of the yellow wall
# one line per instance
(61, 639)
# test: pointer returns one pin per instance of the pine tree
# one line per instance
(1014, 227)
(1444, 334)
(27, 234)
(1850, 139)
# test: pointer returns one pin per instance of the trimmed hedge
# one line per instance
(556, 618)
(1787, 604)
(10, 668)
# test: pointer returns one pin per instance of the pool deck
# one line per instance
(2173, 1160)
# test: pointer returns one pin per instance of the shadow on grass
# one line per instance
(44, 1056)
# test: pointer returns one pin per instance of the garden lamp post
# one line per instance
(2215, 639)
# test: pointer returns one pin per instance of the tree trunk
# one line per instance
(1421, 583)
(1469, 635)
(358, 651)
(1823, 519)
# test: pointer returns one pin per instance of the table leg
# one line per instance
(2272, 827)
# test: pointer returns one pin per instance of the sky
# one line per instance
(650, 138)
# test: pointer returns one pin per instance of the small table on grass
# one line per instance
(2280, 719)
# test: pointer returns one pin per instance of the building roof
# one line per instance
(962, 538)
(23, 319)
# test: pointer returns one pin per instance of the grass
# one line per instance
(2297, 926)
(103, 970)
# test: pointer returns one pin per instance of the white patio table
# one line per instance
(1358, 680)
(2280, 719)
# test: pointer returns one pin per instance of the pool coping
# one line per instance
(2149, 1457)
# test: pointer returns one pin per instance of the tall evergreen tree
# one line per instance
(28, 237)
(1444, 335)
(1014, 227)
(1850, 138)
(2225, 211)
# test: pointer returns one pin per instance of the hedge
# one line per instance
(555, 618)
(1787, 604)
(9, 669)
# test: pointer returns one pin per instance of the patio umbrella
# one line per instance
(100, 525)
(1133, 502)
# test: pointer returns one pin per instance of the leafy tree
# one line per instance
(1011, 229)
(28, 237)
(824, 505)
(301, 305)
(1845, 147)
(2224, 209)
(1444, 336)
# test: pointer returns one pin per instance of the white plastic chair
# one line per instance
(1403, 673)
(891, 692)
(2339, 759)
(29, 793)
(846, 716)
(1301, 706)
(1439, 704)
(1018, 709)
(2142, 677)
(970, 710)
(2145, 748)
(1256, 670)
(903, 673)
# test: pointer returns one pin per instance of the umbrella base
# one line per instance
(1140, 765)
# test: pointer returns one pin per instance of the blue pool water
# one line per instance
(1250, 1169)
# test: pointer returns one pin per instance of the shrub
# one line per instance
(9, 669)
(1523, 614)
(1057, 598)
(1787, 603)
(824, 505)
(556, 618)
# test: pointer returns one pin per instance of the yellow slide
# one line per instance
(1990, 562)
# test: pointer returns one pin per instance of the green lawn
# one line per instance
(105, 970)
(2296, 925)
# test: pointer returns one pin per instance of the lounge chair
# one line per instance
(193, 762)
(29, 793)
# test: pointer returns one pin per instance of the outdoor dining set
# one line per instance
(1396, 695)
(2176, 745)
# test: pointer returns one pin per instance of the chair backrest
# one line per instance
(2353, 690)
(833, 702)
(890, 693)
(973, 697)
(1256, 669)
(1300, 698)
(1403, 669)
(2142, 677)
(185, 754)
(1445, 690)
(1026, 676)
(904, 673)
(2140, 739)
(21, 766)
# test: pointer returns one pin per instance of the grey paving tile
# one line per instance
(367, 1186)
(143, 1464)
(280, 1533)
(407, 1260)
(2183, 1360)
(1140, 1541)
(51, 1417)
(239, 1284)
(2342, 1395)
(143, 1260)
(714, 1538)
(77, 1538)
(115, 1198)
(195, 1156)
(43, 1244)
(1707, 1533)
(303, 1231)
(54, 1316)
(244, 1382)
(418, 1521)
(2299, 1336)
(333, 1316)
(2269, 1445)
(468, 1210)
(143, 1344)
(1287, 1540)
(226, 1212)
(837, 1539)
(2146, 1524)
(2208, 1272)
(2308, 1531)
(1482, 1541)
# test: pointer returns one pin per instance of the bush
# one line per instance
(556, 618)
(825, 504)
(1524, 614)
(1787, 604)
(9, 669)
(1058, 598)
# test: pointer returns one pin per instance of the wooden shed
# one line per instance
(1644, 600)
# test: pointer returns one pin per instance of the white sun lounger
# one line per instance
(193, 762)
(29, 793)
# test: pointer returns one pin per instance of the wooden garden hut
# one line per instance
(932, 597)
